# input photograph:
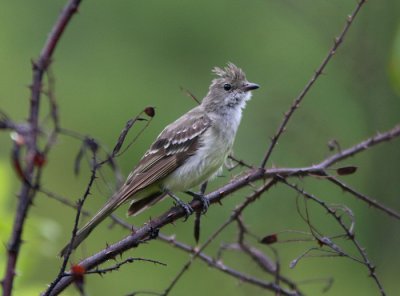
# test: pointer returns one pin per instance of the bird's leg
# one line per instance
(200, 196)
(188, 209)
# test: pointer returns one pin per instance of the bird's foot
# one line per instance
(187, 208)
(200, 197)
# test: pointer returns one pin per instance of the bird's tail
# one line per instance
(136, 207)
(82, 233)
(140, 205)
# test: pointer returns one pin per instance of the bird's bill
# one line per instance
(251, 86)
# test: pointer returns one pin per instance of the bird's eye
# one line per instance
(227, 86)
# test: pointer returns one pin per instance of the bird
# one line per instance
(188, 152)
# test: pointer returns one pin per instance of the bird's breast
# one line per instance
(204, 164)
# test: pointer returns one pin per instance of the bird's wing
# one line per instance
(172, 147)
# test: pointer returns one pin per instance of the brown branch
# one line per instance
(174, 214)
(372, 202)
(379, 138)
(349, 234)
(215, 263)
(263, 261)
(27, 193)
(212, 237)
(80, 204)
(118, 265)
(218, 264)
(296, 103)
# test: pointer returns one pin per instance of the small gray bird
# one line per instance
(188, 152)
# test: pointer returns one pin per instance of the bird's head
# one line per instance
(229, 90)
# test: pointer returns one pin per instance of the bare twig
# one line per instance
(61, 199)
(118, 265)
(263, 261)
(372, 202)
(80, 204)
(125, 131)
(217, 264)
(252, 175)
(296, 103)
(236, 213)
(27, 194)
(379, 138)
(349, 234)
(190, 95)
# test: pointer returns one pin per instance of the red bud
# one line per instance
(150, 111)
(39, 159)
(269, 239)
(346, 170)
(78, 272)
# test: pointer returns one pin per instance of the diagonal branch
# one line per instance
(372, 202)
(349, 234)
(80, 204)
(296, 103)
(236, 184)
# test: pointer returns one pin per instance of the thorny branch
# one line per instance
(80, 204)
(236, 213)
(27, 191)
(251, 176)
(348, 231)
(118, 265)
(296, 103)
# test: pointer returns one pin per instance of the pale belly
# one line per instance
(197, 169)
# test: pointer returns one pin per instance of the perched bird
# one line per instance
(188, 152)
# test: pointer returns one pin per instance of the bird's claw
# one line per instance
(188, 210)
(204, 201)
(186, 207)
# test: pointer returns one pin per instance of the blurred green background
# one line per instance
(118, 57)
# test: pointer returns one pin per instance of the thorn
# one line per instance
(372, 268)
(34, 64)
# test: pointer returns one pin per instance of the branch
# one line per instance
(379, 138)
(296, 103)
(27, 194)
(80, 204)
(363, 197)
(235, 214)
(118, 265)
(250, 176)
(349, 234)
(219, 265)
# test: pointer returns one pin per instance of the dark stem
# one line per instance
(174, 214)
(27, 193)
(296, 103)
